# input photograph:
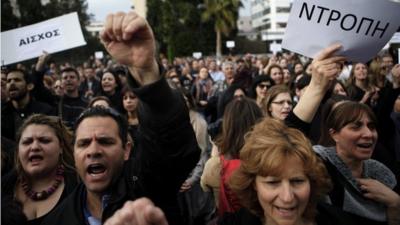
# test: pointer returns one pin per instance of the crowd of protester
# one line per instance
(242, 139)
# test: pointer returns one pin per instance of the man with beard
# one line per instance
(21, 103)
(165, 150)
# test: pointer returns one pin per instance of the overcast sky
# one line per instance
(100, 8)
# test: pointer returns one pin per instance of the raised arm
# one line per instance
(130, 41)
(166, 149)
(324, 70)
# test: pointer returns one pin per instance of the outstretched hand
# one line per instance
(129, 39)
(325, 66)
(324, 70)
(139, 212)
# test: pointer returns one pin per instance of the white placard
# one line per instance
(275, 47)
(363, 27)
(53, 35)
(99, 55)
(230, 44)
(197, 55)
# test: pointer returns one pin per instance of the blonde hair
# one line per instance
(265, 152)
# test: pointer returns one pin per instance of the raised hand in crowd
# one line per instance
(130, 41)
(42, 61)
(139, 212)
(324, 70)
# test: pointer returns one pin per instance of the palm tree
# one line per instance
(224, 13)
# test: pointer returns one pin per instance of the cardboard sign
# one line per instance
(53, 35)
(363, 27)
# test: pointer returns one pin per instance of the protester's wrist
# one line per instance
(145, 76)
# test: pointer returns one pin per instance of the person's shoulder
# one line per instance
(323, 151)
(378, 171)
(213, 162)
(43, 107)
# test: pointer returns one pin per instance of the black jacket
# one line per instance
(165, 152)
(12, 118)
(69, 109)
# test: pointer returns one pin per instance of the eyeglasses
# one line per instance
(262, 86)
(283, 102)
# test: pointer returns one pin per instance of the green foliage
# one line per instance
(223, 12)
(178, 27)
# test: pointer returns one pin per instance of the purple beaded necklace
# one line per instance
(41, 195)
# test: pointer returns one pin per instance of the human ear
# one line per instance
(333, 134)
(30, 86)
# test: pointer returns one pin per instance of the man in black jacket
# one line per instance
(21, 103)
(165, 150)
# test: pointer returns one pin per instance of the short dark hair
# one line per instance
(27, 77)
(98, 98)
(99, 111)
(70, 69)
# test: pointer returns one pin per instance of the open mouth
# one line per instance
(365, 145)
(286, 211)
(96, 169)
(35, 158)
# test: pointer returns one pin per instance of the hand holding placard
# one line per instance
(363, 27)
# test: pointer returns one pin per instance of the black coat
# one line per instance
(165, 152)
(12, 118)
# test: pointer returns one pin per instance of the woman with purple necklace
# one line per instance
(44, 174)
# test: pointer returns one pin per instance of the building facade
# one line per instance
(269, 18)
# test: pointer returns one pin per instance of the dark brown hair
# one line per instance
(239, 117)
(63, 134)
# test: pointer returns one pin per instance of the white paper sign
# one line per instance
(197, 55)
(363, 27)
(230, 44)
(275, 47)
(53, 35)
(99, 55)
